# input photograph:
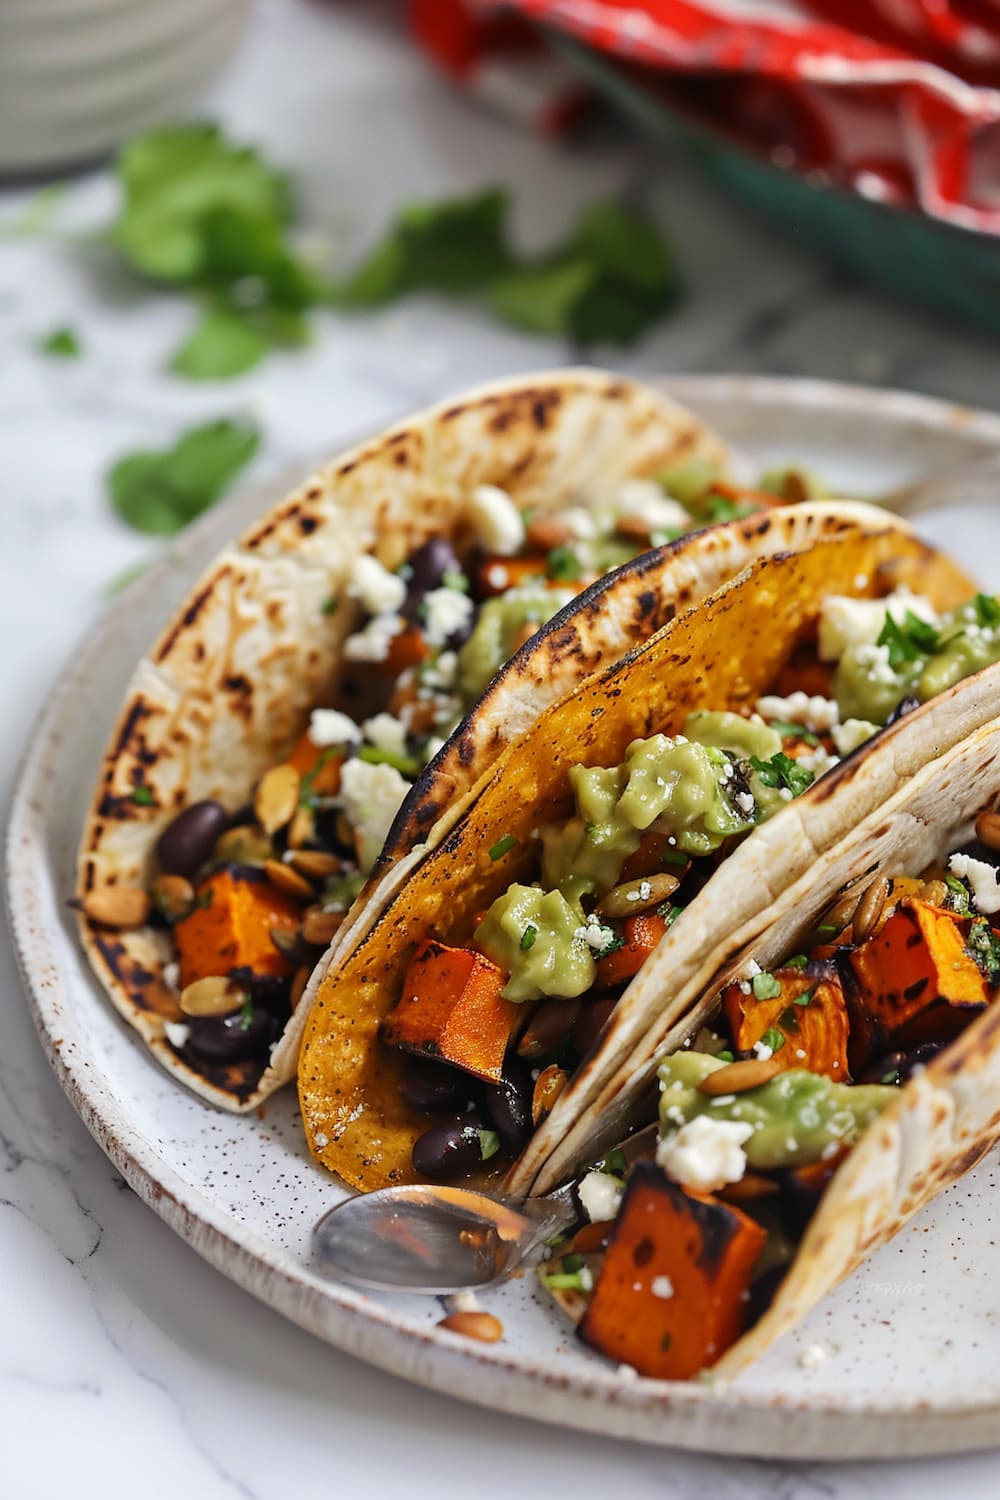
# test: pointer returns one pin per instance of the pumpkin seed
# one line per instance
(302, 828)
(277, 797)
(244, 845)
(119, 906)
(284, 878)
(634, 896)
(316, 864)
(869, 909)
(737, 1077)
(474, 1325)
(174, 896)
(548, 1086)
(212, 996)
(319, 925)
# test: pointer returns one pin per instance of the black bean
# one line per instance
(229, 1039)
(452, 1149)
(431, 1086)
(591, 1022)
(428, 566)
(508, 1104)
(187, 842)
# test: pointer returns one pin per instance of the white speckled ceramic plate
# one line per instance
(912, 1338)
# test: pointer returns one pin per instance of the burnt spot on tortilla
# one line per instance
(307, 525)
(189, 616)
(466, 749)
(143, 986)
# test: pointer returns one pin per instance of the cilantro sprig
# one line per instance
(160, 490)
(782, 771)
(907, 641)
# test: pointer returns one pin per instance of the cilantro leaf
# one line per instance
(455, 246)
(987, 610)
(489, 1143)
(62, 343)
(159, 492)
(563, 563)
(541, 299)
(790, 731)
(984, 946)
(782, 770)
(222, 344)
(773, 1038)
(909, 641)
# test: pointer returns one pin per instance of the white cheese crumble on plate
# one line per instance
(705, 1153)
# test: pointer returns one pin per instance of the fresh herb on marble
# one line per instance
(208, 216)
(161, 491)
(611, 278)
(61, 343)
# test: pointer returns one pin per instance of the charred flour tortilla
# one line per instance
(721, 657)
(227, 691)
(933, 1095)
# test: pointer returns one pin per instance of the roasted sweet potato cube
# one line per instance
(671, 1295)
(640, 936)
(914, 981)
(230, 927)
(451, 1008)
(810, 1013)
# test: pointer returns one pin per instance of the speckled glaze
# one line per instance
(909, 1340)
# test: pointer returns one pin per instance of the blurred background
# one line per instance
(276, 223)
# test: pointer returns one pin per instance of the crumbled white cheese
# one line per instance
(753, 967)
(876, 660)
(817, 761)
(628, 1373)
(595, 934)
(812, 1357)
(372, 643)
(744, 801)
(662, 1287)
(642, 892)
(982, 878)
(463, 1302)
(600, 1196)
(441, 673)
(177, 1033)
(811, 710)
(763, 1051)
(433, 745)
(381, 592)
(172, 975)
(705, 1153)
(496, 520)
(321, 1140)
(581, 522)
(846, 622)
(386, 733)
(851, 734)
(370, 796)
(644, 500)
(328, 726)
(444, 612)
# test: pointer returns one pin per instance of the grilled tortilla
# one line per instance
(723, 656)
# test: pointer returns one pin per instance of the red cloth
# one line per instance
(896, 99)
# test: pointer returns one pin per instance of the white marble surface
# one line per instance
(127, 1366)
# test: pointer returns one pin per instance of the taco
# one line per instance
(270, 735)
(837, 1077)
(472, 1025)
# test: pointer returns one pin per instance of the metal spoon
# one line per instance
(436, 1239)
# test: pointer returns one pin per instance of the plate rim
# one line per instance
(682, 1415)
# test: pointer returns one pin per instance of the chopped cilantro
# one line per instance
(246, 1014)
(563, 563)
(827, 930)
(773, 1038)
(720, 508)
(669, 913)
(790, 731)
(673, 857)
(204, 899)
(489, 1143)
(984, 945)
(959, 900)
(611, 946)
(503, 846)
(330, 606)
(572, 1262)
(765, 986)
(797, 961)
(456, 581)
(805, 997)
(726, 1056)
(62, 343)
(891, 1077)
(614, 1163)
(909, 641)
(528, 937)
(143, 796)
(987, 610)
(160, 491)
(782, 770)
(569, 1281)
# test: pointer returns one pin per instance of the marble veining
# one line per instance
(127, 1365)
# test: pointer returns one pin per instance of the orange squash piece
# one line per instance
(230, 927)
(671, 1295)
(640, 936)
(452, 1009)
(816, 1033)
(914, 981)
(407, 649)
(803, 672)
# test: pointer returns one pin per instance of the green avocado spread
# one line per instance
(797, 1116)
(500, 621)
(912, 658)
(687, 787)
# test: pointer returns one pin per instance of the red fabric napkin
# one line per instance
(894, 99)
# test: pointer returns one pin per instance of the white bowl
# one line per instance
(78, 76)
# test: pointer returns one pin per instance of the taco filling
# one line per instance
(496, 1026)
(253, 896)
(679, 1252)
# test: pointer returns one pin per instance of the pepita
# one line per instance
(120, 906)
(635, 896)
(277, 797)
(212, 996)
(284, 878)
